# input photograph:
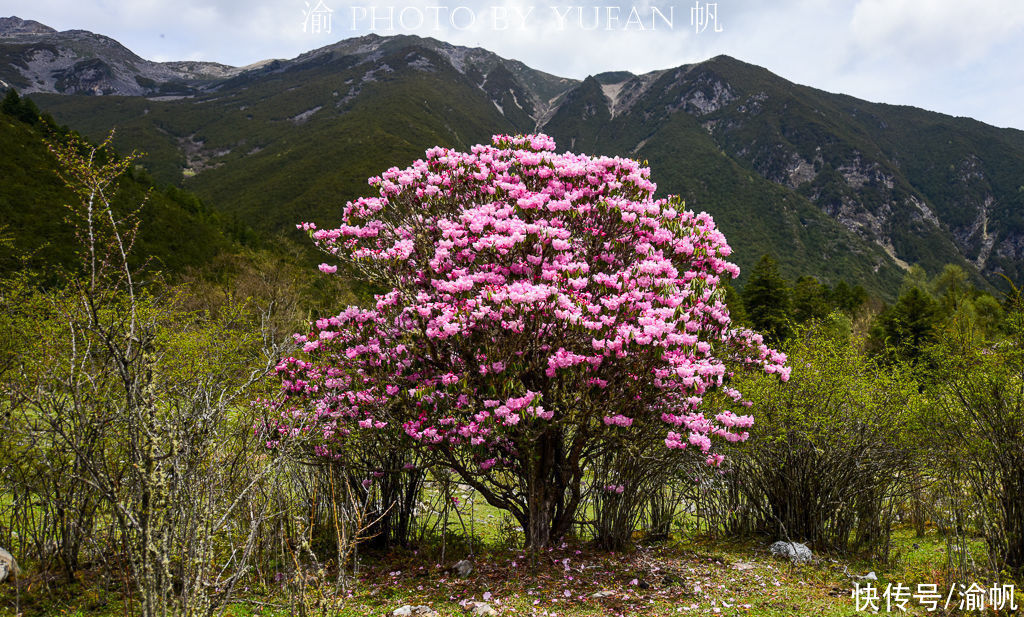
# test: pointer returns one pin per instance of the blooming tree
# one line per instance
(538, 303)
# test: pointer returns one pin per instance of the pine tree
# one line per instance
(810, 300)
(734, 301)
(768, 301)
(908, 327)
(848, 299)
(22, 108)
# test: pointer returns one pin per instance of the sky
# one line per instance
(955, 57)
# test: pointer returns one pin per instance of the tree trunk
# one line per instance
(1013, 515)
(552, 491)
(918, 513)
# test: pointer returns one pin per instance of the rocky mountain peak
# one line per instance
(10, 26)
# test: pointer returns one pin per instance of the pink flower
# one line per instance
(618, 420)
(565, 267)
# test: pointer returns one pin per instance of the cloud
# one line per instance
(926, 32)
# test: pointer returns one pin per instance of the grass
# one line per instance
(700, 576)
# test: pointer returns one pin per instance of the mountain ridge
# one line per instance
(891, 185)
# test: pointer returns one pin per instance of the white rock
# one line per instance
(597, 595)
(870, 576)
(794, 551)
(481, 608)
(463, 568)
(8, 565)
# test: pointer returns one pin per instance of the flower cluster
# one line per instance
(526, 288)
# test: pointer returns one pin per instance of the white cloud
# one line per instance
(926, 32)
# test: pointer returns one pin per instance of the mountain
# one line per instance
(922, 187)
(928, 188)
(756, 215)
(10, 26)
(37, 58)
(831, 185)
(292, 140)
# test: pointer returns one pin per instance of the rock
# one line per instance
(742, 566)
(794, 551)
(480, 608)
(463, 568)
(8, 566)
(597, 595)
(870, 576)
(410, 611)
(643, 585)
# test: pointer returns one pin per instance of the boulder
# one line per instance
(793, 551)
(463, 568)
(480, 608)
(8, 566)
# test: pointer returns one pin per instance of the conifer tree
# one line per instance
(768, 300)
